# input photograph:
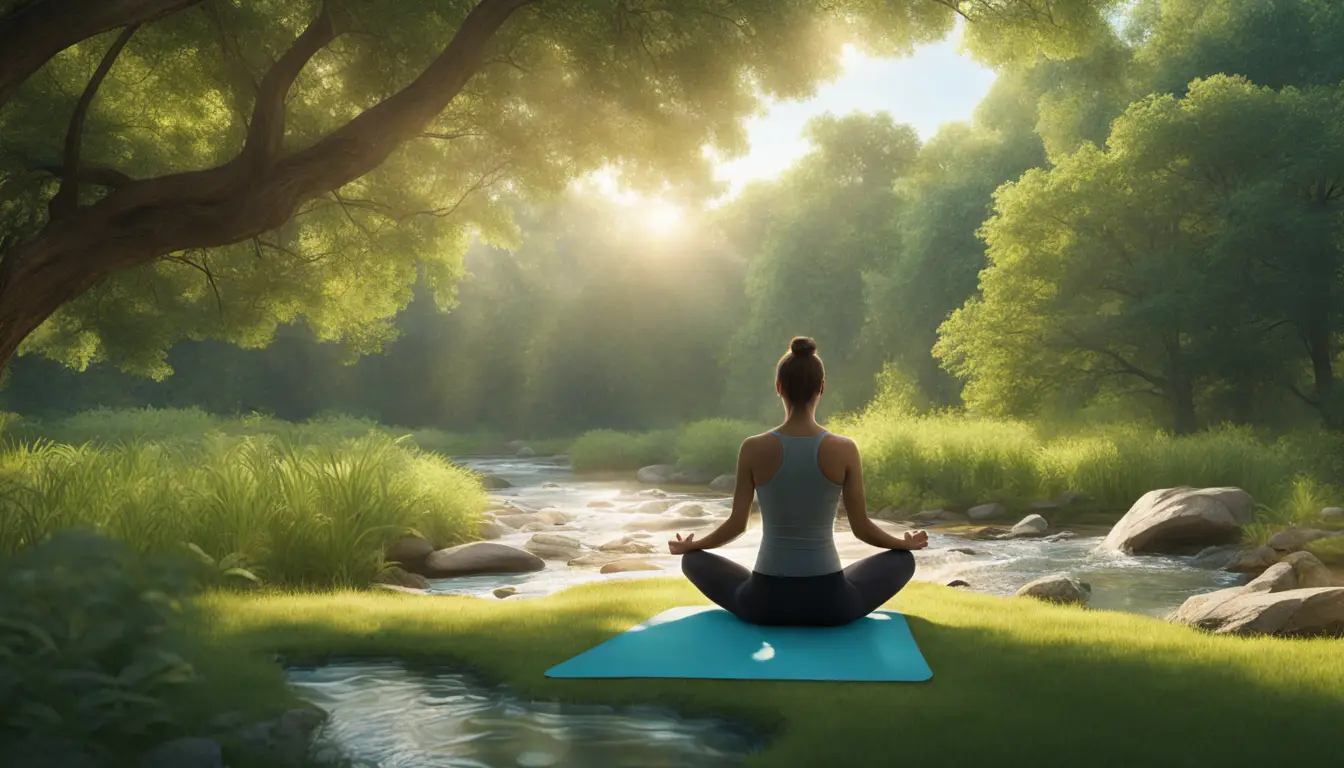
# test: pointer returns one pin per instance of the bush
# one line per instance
(608, 450)
(712, 445)
(1329, 551)
(89, 649)
(316, 514)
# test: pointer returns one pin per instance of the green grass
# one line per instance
(1016, 682)
(709, 445)
(1329, 551)
(301, 514)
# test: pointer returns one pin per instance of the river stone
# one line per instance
(1294, 539)
(886, 513)
(544, 517)
(1058, 588)
(1287, 613)
(656, 507)
(503, 592)
(1332, 512)
(408, 552)
(536, 528)
(401, 578)
(550, 485)
(494, 482)
(1061, 536)
(987, 511)
(988, 532)
(1276, 578)
(398, 589)
(600, 504)
(723, 483)
(959, 583)
(656, 474)
(629, 564)
(525, 453)
(964, 551)
(660, 523)
(493, 529)
(286, 741)
(688, 509)
(553, 546)
(481, 557)
(1181, 520)
(594, 559)
(189, 752)
(1252, 560)
(1031, 525)
(935, 516)
(1311, 572)
(627, 545)
(1215, 557)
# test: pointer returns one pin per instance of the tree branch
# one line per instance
(32, 33)
(67, 197)
(266, 133)
(98, 177)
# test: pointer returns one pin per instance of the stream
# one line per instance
(388, 714)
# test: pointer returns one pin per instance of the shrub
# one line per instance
(608, 450)
(712, 445)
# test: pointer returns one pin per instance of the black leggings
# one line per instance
(808, 601)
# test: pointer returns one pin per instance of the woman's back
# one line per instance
(798, 503)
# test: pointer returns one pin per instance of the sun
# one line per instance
(662, 218)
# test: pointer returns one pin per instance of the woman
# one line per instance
(799, 472)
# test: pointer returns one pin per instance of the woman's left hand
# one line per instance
(681, 546)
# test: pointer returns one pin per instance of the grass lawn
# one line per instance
(1016, 682)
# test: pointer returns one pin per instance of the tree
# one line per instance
(1167, 262)
(229, 167)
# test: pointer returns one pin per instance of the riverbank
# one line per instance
(1034, 684)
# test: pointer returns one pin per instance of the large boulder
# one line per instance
(480, 557)
(1214, 558)
(987, 511)
(1310, 571)
(723, 483)
(1263, 607)
(1182, 520)
(401, 578)
(553, 546)
(1029, 527)
(408, 552)
(1295, 539)
(1254, 560)
(1059, 588)
(628, 564)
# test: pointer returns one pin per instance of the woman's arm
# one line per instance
(736, 524)
(856, 507)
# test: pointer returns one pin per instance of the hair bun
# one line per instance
(802, 346)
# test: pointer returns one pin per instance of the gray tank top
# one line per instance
(798, 514)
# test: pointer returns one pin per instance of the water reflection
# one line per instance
(386, 714)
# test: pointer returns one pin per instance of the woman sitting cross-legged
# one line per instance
(799, 472)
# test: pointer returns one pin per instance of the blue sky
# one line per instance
(934, 86)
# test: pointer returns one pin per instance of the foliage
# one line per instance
(90, 646)
(295, 512)
(712, 445)
(609, 450)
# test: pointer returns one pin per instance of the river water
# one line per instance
(1149, 585)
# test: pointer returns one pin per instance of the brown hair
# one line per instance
(800, 372)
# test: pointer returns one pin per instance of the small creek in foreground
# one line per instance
(390, 715)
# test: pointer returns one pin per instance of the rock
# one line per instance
(408, 551)
(553, 546)
(988, 532)
(536, 528)
(493, 529)
(525, 453)
(1295, 539)
(285, 741)
(1059, 588)
(886, 513)
(656, 474)
(225, 722)
(398, 588)
(593, 560)
(1276, 578)
(723, 483)
(656, 507)
(959, 583)
(1310, 571)
(514, 446)
(1061, 536)
(600, 504)
(1069, 498)
(1031, 525)
(964, 551)
(544, 517)
(935, 516)
(627, 545)
(629, 564)
(652, 493)
(503, 592)
(660, 523)
(480, 557)
(1332, 512)
(494, 482)
(188, 752)
(1287, 613)
(1252, 560)
(1215, 557)
(688, 509)
(1181, 520)
(550, 485)
(987, 511)
(401, 578)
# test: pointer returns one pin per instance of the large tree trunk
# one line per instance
(1183, 407)
(1321, 347)
(259, 190)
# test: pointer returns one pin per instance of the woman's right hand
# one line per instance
(912, 540)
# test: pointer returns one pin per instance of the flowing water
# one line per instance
(390, 715)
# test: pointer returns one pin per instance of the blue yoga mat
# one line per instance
(710, 643)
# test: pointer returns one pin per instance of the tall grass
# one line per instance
(709, 445)
(299, 514)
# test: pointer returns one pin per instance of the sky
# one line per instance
(935, 85)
